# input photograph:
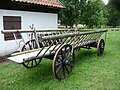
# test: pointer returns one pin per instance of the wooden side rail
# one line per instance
(71, 34)
(31, 30)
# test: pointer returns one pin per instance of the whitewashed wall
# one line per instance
(40, 21)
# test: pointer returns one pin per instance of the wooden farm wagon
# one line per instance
(57, 45)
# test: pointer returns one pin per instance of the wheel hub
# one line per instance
(65, 62)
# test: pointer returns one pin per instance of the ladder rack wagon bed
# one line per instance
(57, 45)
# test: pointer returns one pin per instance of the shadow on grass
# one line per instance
(83, 55)
(14, 76)
(43, 72)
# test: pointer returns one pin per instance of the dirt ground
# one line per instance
(2, 59)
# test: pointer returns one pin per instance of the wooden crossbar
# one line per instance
(71, 35)
(31, 30)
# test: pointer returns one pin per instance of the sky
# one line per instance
(105, 1)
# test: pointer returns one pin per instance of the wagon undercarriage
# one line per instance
(57, 45)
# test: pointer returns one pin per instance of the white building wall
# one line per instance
(40, 21)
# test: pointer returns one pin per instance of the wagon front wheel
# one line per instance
(63, 62)
(32, 63)
(32, 44)
(100, 47)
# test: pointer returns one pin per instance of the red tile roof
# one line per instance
(50, 3)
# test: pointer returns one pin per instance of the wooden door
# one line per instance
(11, 23)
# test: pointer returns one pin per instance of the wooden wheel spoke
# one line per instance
(65, 49)
(63, 71)
(100, 47)
(58, 63)
(24, 49)
(70, 65)
(65, 52)
(32, 63)
(69, 56)
(27, 63)
(60, 59)
(29, 46)
(63, 62)
(36, 62)
(59, 68)
(34, 46)
(67, 69)
(62, 54)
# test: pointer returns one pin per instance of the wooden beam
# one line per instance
(30, 30)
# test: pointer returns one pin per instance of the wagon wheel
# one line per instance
(100, 47)
(31, 44)
(28, 46)
(63, 62)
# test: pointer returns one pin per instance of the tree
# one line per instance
(115, 4)
(70, 15)
(114, 13)
(87, 12)
(94, 13)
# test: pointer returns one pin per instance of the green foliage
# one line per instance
(87, 12)
(70, 15)
(115, 4)
(114, 13)
(94, 14)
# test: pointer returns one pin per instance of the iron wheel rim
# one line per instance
(34, 62)
(63, 62)
(100, 47)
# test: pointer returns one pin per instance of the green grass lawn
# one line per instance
(90, 72)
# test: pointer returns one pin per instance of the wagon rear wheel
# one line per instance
(63, 62)
(29, 46)
(100, 47)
